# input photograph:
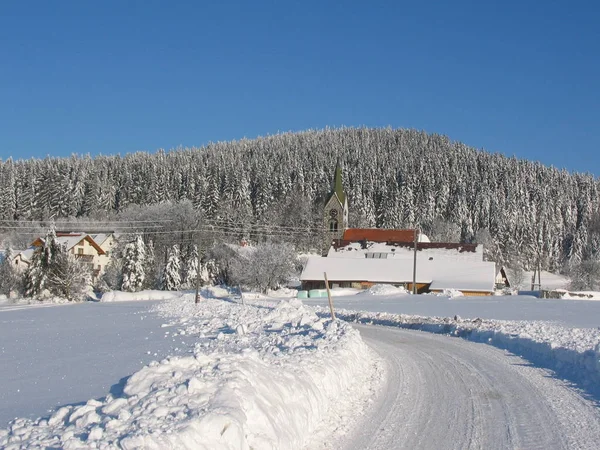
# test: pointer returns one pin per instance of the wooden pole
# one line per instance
(197, 300)
(329, 296)
(414, 286)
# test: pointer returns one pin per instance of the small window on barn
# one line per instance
(333, 225)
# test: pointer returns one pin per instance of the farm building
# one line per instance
(361, 257)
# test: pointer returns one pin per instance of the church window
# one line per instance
(333, 225)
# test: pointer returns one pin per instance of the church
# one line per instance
(361, 257)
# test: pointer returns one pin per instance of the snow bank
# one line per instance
(119, 296)
(573, 353)
(578, 295)
(384, 289)
(258, 378)
(451, 293)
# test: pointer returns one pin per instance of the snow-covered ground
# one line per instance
(258, 377)
(53, 355)
(272, 374)
(570, 313)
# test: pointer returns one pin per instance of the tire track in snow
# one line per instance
(454, 394)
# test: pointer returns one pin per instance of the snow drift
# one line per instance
(120, 296)
(258, 378)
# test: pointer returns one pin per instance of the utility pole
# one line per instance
(414, 283)
(197, 298)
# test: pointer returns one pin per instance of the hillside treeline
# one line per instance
(523, 211)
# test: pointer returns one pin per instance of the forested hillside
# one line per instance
(393, 178)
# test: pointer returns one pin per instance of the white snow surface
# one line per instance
(120, 296)
(573, 353)
(259, 377)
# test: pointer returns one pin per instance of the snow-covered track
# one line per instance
(455, 394)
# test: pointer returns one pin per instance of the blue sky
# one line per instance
(517, 77)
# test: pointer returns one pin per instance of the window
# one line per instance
(80, 251)
(333, 225)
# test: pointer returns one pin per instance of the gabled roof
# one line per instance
(70, 240)
(441, 273)
(24, 254)
(371, 270)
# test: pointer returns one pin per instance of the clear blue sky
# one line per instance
(517, 77)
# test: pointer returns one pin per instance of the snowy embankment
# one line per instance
(119, 296)
(258, 378)
(573, 353)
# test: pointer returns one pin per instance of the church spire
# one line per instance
(338, 187)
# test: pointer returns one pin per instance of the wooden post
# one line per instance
(329, 296)
(197, 300)
(414, 286)
(242, 295)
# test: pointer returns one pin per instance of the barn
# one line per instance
(363, 257)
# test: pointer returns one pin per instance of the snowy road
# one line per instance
(449, 393)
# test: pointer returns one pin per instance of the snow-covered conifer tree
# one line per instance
(171, 278)
(134, 256)
(9, 278)
(150, 280)
(36, 275)
(191, 269)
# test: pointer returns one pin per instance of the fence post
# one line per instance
(329, 296)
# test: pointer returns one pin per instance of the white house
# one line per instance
(93, 249)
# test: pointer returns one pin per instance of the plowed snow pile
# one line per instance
(258, 377)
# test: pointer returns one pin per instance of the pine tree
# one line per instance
(134, 256)
(10, 280)
(150, 280)
(191, 269)
(68, 278)
(171, 278)
(36, 275)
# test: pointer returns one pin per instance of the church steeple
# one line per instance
(338, 187)
(335, 218)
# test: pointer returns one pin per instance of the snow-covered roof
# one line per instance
(71, 239)
(100, 238)
(441, 273)
(373, 270)
(455, 252)
(480, 277)
(25, 254)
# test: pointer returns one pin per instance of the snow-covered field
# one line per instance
(570, 313)
(258, 377)
(53, 355)
(267, 374)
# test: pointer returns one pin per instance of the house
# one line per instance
(92, 249)
(21, 259)
(107, 242)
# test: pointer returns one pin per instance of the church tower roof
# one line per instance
(338, 188)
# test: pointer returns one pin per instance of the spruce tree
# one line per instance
(134, 256)
(171, 278)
